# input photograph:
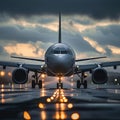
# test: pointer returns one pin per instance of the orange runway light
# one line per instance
(41, 105)
(26, 115)
(48, 100)
(66, 100)
(52, 98)
(75, 116)
(70, 105)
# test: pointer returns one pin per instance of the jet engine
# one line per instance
(99, 76)
(20, 76)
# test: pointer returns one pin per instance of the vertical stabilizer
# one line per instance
(59, 39)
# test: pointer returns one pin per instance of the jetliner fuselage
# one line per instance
(60, 60)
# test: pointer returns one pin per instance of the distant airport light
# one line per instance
(2, 100)
(2, 95)
(116, 80)
(116, 91)
(2, 73)
(12, 86)
(2, 85)
(75, 116)
(77, 66)
(26, 115)
(9, 74)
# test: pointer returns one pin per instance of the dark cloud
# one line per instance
(76, 42)
(22, 34)
(98, 9)
(107, 35)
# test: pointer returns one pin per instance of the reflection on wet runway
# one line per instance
(19, 103)
(52, 107)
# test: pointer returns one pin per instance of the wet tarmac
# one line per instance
(98, 103)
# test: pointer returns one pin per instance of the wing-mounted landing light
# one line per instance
(2, 73)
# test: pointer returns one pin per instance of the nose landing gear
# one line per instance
(60, 84)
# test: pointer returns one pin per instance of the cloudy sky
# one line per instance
(90, 27)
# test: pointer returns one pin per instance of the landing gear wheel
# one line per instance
(78, 84)
(40, 84)
(85, 84)
(33, 83)
(57, 85)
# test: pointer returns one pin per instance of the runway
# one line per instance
(24, 103)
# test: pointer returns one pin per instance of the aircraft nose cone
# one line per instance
(61, 64)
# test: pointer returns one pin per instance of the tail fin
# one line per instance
(59, 39)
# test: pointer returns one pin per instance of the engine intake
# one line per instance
(99, 76)
(20, 76)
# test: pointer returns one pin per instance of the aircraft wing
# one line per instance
(89, 67)
(90, 58)
(30, 67)
(28, 58)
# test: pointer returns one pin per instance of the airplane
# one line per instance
(60, 61)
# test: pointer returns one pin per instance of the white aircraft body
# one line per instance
(59, 61)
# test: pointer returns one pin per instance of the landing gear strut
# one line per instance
(81, 81)
(59, 84)
(36, 81)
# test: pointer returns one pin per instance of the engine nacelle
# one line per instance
(99, 76)
(20, 76)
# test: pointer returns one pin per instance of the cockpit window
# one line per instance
(56, 51)
(60, 51)
(63, 52)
